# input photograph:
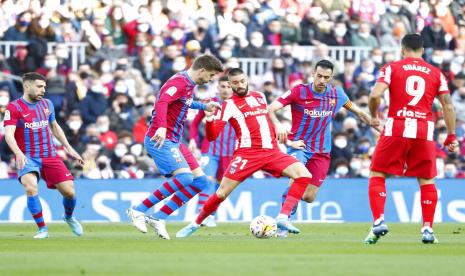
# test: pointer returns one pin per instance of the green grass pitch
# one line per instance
(229, 249)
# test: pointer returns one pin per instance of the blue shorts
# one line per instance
(32, 165)
(302, 155)
(51, 169)
(169, 158)
(214, 166)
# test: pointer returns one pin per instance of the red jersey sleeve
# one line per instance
(194, 129)
(443, 87)
(214, 128)
(12, 115)
(385, 74)
(289, 96)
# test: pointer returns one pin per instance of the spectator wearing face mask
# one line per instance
(458, 99)
(202, 35)
(278, 74)
(129, 168)
(120, 150)
(340, 148)
(18, 32)
(363, 37)
(256, 47)
(102, 170)
(21, 63)
(338, 36)
(341, 168)
(95, 102)
(73, 129)
(107, 136)
(450, 170)
(434, 36)
(90, 154)
(122, 115)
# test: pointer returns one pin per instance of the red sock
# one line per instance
(209, 207)
(295, 193)
(377, 195)
(428, 198)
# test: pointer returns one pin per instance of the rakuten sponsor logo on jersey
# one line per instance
(411, 114)
(318, 113)
(36, 125)
(255, 113)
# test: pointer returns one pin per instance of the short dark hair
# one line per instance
(234, 72)
(412, 42)
(32, 76)
(223, 78)
(325, 64)
(207, 62)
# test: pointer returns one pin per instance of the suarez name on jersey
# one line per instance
(32, 121)
(413, 85)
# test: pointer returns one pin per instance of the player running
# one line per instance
(216, 155)
(162, 142)
(313, 106)
(257, 150)
(29, 126)
(406, 146)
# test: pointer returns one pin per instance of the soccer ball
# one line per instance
(263, 227)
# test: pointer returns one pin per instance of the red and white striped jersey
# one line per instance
(413, 85)
(248, 115)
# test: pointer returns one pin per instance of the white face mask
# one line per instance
(51, 63)
(179, 66)
(364, 35)
(121, 88)
(103, 128)
(365, 172)
(340, 143)
(75, 125)
(340, 32)
(257, 42)
(4, 101)
(120, 151)
(106, 68)
(225, 54)
(157, 43)
(143, 28)
(377, 59)
(94, 147)
(177, 35)
(343, 170)
(136, 150)
(437, 59)
(44, 23)
(98, 88)
(355, 165)
(459, 59)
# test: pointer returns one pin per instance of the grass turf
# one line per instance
(322, 249)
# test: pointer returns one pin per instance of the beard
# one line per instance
(241, 91)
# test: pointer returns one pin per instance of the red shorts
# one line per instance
(245, 163)
(318, 166)
(404, 156)
(190, 159)
(54, 171)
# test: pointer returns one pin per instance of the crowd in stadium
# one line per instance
(135, 46)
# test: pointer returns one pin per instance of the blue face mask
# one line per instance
(23, 23)
(363, 148)
(449, 174)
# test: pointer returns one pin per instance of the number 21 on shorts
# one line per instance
(238, 162)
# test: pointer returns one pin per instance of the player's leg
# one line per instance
(388, 158)
(57, 176)
(421, 163)
(66, 188)
(226, 187)
(239, 169)
(210, 165)
(29, 182)
(169, 161)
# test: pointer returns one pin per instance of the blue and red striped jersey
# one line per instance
(312, 113)
(32, 121)
(170, 109)
(224, 144)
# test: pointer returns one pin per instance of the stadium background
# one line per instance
(105, 61)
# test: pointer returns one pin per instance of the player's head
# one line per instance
(205, 67)
(412, 45)
(34, 86)
(238, 81)
(322, 74)
(224, 88)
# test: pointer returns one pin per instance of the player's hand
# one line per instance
(299, 144)
(374, 122)
(159, 137)
(21, 161)
(75, 155)
(212, 106)
(192, 145)
(209, 115)
(281, 133)
(451, 143)
(365, 118)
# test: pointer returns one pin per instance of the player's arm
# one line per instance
(449, 117)
(21, 159)
(375, 100)
(213, 127)
(281, 133)
(362, 115)
(60, 135)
